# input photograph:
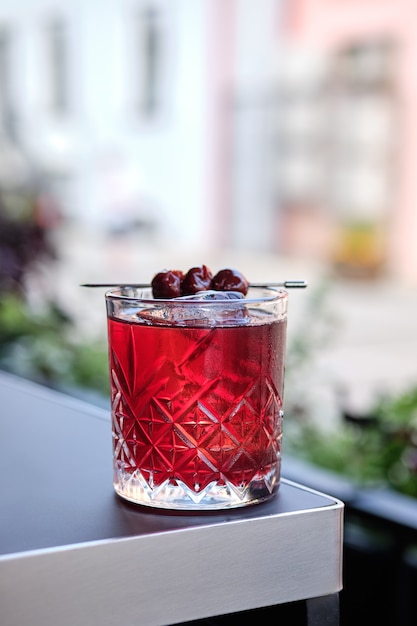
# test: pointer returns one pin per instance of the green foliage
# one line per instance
(379, 448)
(376, 449)
(40, 345)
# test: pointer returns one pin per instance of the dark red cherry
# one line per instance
(196, 279)
(230, 280)
(167, 284)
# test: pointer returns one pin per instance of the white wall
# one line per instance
(162, 159)
(107, 159)
(255, 209)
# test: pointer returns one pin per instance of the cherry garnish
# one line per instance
(196, 279)
(173, 283)
(230, 280)
(167, 284)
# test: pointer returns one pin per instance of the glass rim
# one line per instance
(275, 295)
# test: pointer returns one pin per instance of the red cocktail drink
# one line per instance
(197, 399)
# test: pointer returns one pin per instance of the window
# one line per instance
(148, 60)
(57, 66)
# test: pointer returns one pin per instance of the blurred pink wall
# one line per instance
(330, 24)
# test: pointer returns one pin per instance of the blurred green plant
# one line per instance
(40, 344)
(378, 448)
(25, 220)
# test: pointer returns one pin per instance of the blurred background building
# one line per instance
(278, 136)
(367, 54)
(285, 126)
(127, 108)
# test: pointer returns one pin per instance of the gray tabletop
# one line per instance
(69, 540)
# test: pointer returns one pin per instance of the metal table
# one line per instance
(72, 553)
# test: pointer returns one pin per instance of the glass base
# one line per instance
(134, 488)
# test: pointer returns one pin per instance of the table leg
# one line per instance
(323, 611)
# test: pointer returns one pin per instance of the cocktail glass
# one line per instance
(197, 397)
